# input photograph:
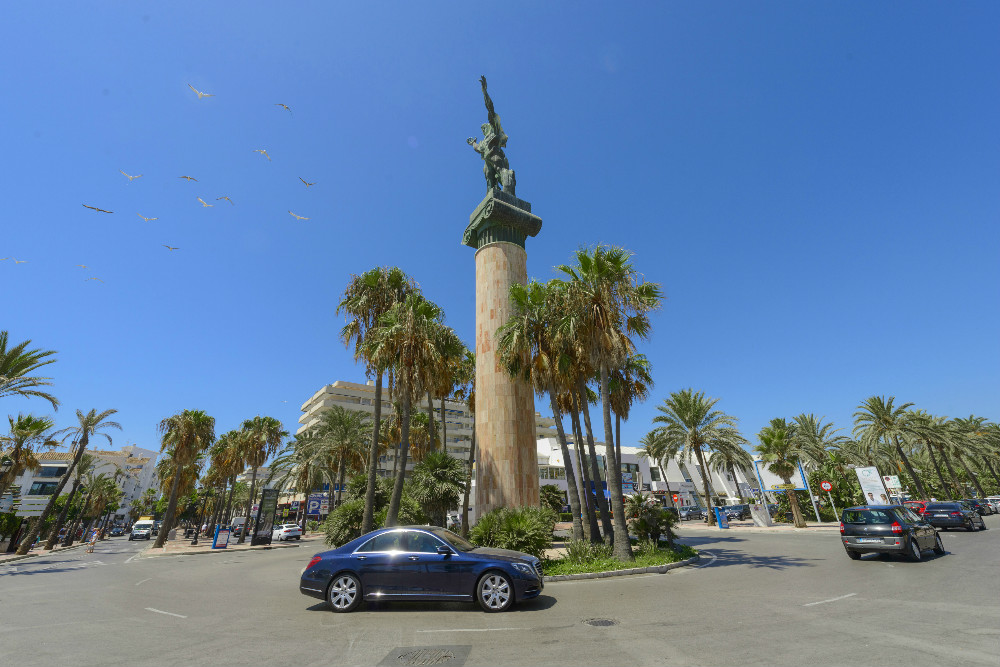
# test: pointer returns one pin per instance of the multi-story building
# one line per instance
(134, 466)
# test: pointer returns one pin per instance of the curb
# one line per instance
(653, 569)
(143, 554)
(42, 553)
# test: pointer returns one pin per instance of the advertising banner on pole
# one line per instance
(760, 515)
(265, 517)
(871, 486)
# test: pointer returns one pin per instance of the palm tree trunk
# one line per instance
(623, 548)
(602, 502)
(168, 516)
(909, 468)
(956, 488)
(618, 441)
(793, 500)
(574, 498)
(706, 480)
(468, 482)
(937, 467)
(989, 466)
(444, 428)
(229, 502)
(591, 531)
(32, 534)
(246, 524)
(71, 534)
(972, 475)
(54, 533)
(392, 516)
(341, 472)
(431, 431)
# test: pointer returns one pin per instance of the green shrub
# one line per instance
(527, 529)
(565, 516)
(344, 522)
(312, 525)
(580, 551)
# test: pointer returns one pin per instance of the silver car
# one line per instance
(691, 512)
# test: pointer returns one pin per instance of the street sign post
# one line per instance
(826, 486)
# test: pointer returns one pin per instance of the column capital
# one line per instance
(501, 217)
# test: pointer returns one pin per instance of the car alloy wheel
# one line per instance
(938, 546)
(345, 593)
(971, 527)
(495, 592)
(914, 550)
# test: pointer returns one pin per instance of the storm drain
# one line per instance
(445, 656)
(601, 622)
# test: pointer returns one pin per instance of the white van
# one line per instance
(141, 530)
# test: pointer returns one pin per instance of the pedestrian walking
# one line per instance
(92, 542)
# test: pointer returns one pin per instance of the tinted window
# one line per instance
(418, 542)
(907, 515)
(391, 541)
(454, 540)
(869, 517)
(942, 507)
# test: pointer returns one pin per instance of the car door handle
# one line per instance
(362, 557)
(414, 557)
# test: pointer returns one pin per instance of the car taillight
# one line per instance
(841, 527)
(956, 514)
(896, 528)
(315, 559)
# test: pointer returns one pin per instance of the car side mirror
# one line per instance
(444, 551)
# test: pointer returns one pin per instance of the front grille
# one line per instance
(538, 568)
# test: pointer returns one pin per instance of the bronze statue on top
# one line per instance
(495, 167)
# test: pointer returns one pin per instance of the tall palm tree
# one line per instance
(933, 433)
(89, 424)
(781, 452)
(728, 456)
(367, 298)
(437, 484)
(816, 437)
(263, 439)
(615, 304)
(690, 426)
(628, 383)
(405, 341)
(172, 471)
(86, 465)
(658, 449)
(878, 419)
(342, 434)
(186, 434)
(302, 466)
(467, 392)
(15, 365)
(970, 433)
(91, 483)
(27, 435)
(527, 350)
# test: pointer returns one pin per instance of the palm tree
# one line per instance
(15, 364)
(878, 419)
(186, 434)
(933, 433)
(816, 437)
(263, 439)
(342, 433)
(970, 433)
(171, 471)
(86, 465)
(615, 302)
(658, 449)
(781, 451)
(527, 350)
(27, 435)
(302, 467)
(728, 455)
(628, 383)
(467, 392)
(690, 425)
(89, 424)
(405, 341)
(367, 298)
(437, 484)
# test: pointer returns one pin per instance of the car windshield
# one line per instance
(454, 540)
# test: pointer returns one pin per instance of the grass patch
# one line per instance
(584, 557)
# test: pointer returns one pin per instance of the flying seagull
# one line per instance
(204, 203)
(97, 279)
(283, 106)
(97, 209)
(262, 152)
(297, 217)
(145, 218)
(19, 261)
(200, 94)
(130, 178)
(82, 266)
(226, 198)
(169, 248)
(3, 259)
(307, 183)
(189, 178)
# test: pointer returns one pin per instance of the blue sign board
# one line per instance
(221, 540)
(720, 518)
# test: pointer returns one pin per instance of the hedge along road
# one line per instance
(753, 599)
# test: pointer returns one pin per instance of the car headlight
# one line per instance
(523, 567)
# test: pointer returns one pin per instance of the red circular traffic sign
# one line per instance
(826, 486)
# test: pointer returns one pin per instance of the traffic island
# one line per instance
(582, 560)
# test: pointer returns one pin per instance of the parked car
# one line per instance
(953, 515)
(156, 527)
(994, 501)
(691, 512)
(887, 529)
(916, 506)
(286, 531)
(420, 563)
(736, 512)
(141, 530)
(978, 504)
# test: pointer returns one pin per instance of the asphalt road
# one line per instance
(768, 599)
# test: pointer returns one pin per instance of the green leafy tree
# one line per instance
(28, 434)
(16, 364)
(781, 452)
(551, 497)
(262, 440)
(877, 418)
(437, 484)
(186, 435)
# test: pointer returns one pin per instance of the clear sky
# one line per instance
(815, 185)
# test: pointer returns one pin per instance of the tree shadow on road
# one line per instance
(719, 557)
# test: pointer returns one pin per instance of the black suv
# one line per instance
(953, 515)
(887, 529)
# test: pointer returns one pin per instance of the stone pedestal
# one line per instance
(506, 455)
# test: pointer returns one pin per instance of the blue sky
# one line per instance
(814, 185)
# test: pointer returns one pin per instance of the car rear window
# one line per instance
(942, 506)
(869, 517)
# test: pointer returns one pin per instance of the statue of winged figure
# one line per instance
(495, 165)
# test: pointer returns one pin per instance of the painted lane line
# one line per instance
(810, 604)
(142, 582)
(707, 554)
(164, 612)
(475, 630)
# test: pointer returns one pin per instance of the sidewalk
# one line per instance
(750, 527)
(182, 546)
(38, 551)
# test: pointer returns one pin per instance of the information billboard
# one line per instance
(872, 487)
(772, 482)
(265, 517)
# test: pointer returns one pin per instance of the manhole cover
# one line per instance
(601, 622)
(444, 656)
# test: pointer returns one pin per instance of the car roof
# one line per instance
(872, 507)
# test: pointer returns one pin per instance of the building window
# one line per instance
(51, 471)
(42, 488)
(551, 472)
(654, 474)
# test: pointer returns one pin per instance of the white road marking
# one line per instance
(165, 612)
(132, 558)
(707, 554)
(142, 582)
(810, 604)
(474, 630)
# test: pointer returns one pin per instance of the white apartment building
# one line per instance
(135, 466)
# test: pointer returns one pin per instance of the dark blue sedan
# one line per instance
(420, 563)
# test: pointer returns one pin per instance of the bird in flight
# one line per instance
(204, 203)
(200, 94)
(130, 178)
(169, 248)
(82, 266)
(297, 217)
(189, 178)
(306, 182)
(97, 209)
(283, 106)
(97, 279)
(262, 152)
(19, 261)
(226, 198)
(145, 218)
